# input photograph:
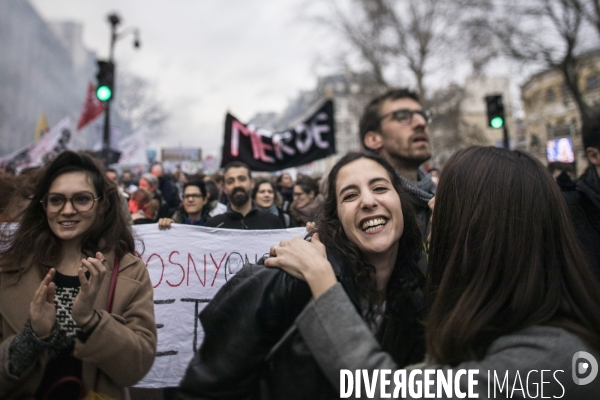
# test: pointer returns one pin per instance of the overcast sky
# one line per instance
(206, 57)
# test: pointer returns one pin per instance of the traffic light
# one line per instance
(106, 80)
(495, 111)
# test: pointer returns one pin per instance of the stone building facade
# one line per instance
(44, 68)
(460, 117)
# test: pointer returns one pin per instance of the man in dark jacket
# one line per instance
(583, 197)
(242, 213)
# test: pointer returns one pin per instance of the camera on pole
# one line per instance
(105, 80)
(495, 111)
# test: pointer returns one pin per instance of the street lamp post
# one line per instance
(114, 20)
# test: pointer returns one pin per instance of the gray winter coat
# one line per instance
(339, 340)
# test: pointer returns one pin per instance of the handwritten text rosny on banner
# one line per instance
(187, 266)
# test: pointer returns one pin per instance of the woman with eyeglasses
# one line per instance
(56, 338)
(308, 202)
(193, 210)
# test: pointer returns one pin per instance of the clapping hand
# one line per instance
(83, 305)
(41, 310)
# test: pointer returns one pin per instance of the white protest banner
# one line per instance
(187, 266)
(133, 149)
(40, 152)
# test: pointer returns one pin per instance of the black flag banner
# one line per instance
(264, 150)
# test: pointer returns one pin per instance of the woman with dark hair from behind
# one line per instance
(55, 275)
(265, 196)
(251, 348)
(508, 285)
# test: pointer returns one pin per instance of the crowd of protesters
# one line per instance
(498, 269)
(157, 196)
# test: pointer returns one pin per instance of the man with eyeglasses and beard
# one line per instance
(395, 125)
(242, 213)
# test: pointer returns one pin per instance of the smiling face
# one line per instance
(69, 224)
(369, 208)
(265, 195)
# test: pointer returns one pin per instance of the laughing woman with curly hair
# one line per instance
(370, 236)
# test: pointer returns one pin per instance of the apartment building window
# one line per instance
(535, 143)
(549, 131)
(574, 127)
(565, 92)
(591, 83)
(561, 129)
(550, 96)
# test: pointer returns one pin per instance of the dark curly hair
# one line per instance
(406, 276)
(33, 244)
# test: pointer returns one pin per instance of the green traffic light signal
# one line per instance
(103, 93)
(497, 122)
(105, 86)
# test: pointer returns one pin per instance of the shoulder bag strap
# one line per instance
(109, 304)
(113, 285)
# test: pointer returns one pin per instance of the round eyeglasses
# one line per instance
(81, 201)
(405, 116)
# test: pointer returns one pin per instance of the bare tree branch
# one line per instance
(137, 105)
(409, 35)
(545, 32)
